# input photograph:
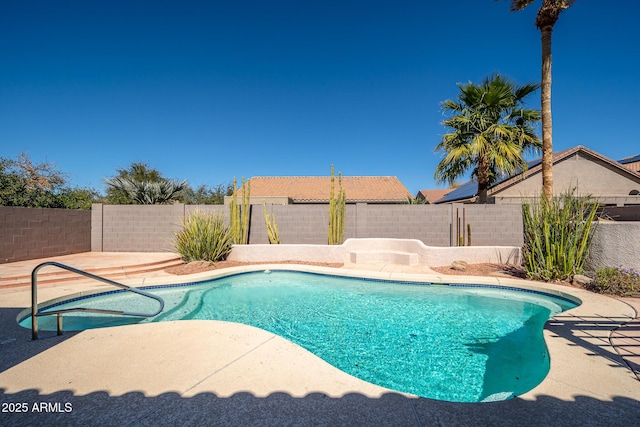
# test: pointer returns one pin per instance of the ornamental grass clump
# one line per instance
(619, 281)
(203, 237)
(557, 235)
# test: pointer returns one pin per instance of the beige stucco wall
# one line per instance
(591, 176)
(615, 244)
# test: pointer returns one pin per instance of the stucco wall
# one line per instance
(615, 244)
(31, 233)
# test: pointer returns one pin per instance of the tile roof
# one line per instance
(433, 196)
(316, 189)
(630, 159)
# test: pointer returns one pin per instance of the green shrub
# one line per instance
(557, 235)
(203, 237)
(616, 281)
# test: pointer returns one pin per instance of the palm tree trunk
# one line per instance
(547, 143)
(483, 180)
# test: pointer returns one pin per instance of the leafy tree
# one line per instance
(489, 131)
(23, 183)
(204, 195)
(548, 15)
(141, 184)
(78, 198)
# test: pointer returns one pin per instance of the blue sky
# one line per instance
(210, 90)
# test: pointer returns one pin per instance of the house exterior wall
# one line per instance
(31, 233)
(591, 176)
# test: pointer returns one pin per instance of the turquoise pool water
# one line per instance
(454, 343)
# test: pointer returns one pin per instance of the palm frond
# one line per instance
(489, 129)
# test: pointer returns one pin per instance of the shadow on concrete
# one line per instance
(314, 409)
(594, 333)
(16, 345)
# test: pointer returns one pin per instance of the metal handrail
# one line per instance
(34, 299)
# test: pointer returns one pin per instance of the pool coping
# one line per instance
(583, 362)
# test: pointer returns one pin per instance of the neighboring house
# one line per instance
(631, 163)
(589, 172)
(432, 196)
(287, 190)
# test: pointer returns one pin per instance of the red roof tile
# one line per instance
(316, 189)
(433, 196)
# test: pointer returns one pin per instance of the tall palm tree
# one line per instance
(547, 17)
(490, 131)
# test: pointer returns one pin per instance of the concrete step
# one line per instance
(52, 274)
(385, 257)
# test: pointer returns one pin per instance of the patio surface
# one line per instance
(219, 373)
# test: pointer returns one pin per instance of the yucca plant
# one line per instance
(203, 237)
(557, 235)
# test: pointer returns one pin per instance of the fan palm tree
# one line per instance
(147, 192)
(547, 17)
(490, 131)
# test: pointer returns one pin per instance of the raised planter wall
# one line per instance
(391, 251)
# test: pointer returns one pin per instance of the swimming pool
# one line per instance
(465, 343)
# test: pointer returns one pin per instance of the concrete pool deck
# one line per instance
(219, 373)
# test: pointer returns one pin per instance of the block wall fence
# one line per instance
(31, 233)
(128, 228)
